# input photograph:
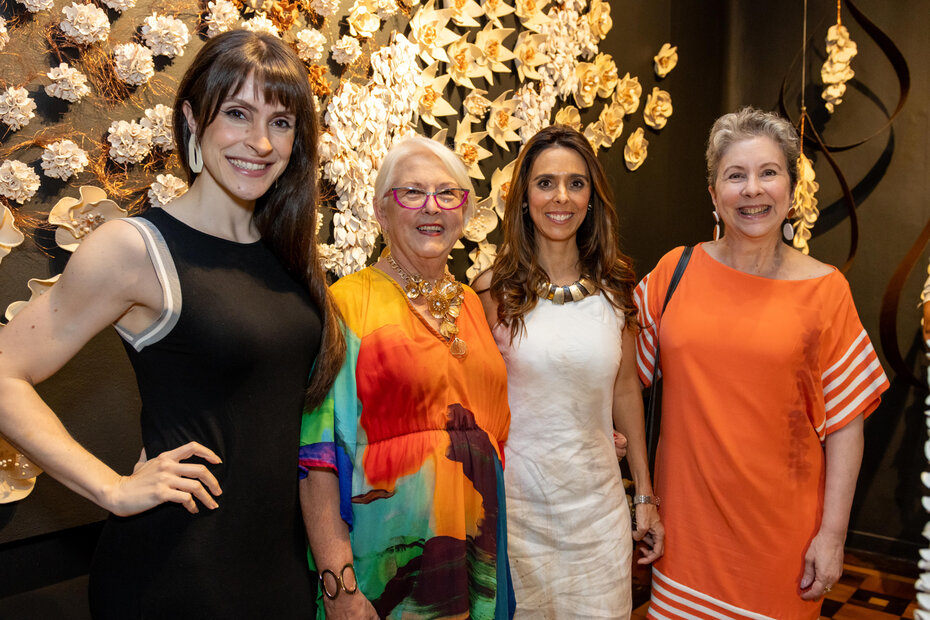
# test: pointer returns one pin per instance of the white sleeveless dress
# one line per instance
(568, 525)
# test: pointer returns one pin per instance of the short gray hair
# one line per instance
(746, 124)
(414, 145)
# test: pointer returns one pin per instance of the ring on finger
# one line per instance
(827, 588)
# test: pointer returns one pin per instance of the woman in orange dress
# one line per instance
(768, 374)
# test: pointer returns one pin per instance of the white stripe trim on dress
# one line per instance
(851, 367)
(695, 593)
(866, 393)
(864, 374)
(849, 351)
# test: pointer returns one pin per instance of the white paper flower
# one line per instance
(587, 84)
(10, 236)
(495, 9)
(134, 63)
(388, 8)
(500, 187)
(428, 30)
(67, 83)
(529, 55)
(569, 115)
(836, 70)
(599, 19)
(665, 60)
(4, 35)
(347, 50)
(165, 35)
(466, 60)
(607, 75)
(34, 6)
(636, 149)
(465, 12)
(363, 19)
(85, 23)
(530, 13)
(120, 5)
(482, 257)
(325, 8)
(159, 121)
(311, 44)
(63, 159)
(18, 181)
(222, 15)
(468, 146)
(430, 102)
(658, 108)
(16, 107)
(78, 217)
(482, 222)
(166, 188)
(476, 104)
(261, 23)
(130, 142)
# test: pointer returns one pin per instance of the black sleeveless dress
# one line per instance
(225, 365)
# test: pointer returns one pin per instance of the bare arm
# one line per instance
(482, 286)
(823, 561)
(329, 541)
(628, 420)
(109, 277)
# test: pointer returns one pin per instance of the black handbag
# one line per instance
(654, 414)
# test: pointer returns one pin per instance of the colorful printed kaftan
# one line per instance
(756, 372)
(416, 437)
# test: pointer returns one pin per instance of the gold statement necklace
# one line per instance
(444, 299)
(559, 295)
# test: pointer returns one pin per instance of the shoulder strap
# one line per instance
(652, 417)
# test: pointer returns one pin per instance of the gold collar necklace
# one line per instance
(559, 295)
(444, 299)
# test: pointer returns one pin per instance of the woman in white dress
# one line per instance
(559, 301)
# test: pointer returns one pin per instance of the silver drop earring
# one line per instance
(716, 225)
(787, 231)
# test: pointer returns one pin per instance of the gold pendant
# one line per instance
(458, 348)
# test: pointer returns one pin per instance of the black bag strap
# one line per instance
(653, 417)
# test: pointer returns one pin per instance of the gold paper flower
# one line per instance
(628, 93)
(500, 187)
(529, 56)
(37, 287)
(501, 121)
(495, 9)
(78, 217)
(607, 75)
(611, 120)
(428, 30)
(17, 474)
(595, 135)
(531, 14)
(430, 102)
(589, 81)
(569, 115)
(10, 236)
(665, 60)
(658, 108)
(464, 12)
(836, 70)
(599, 19)
(635, 151)
(468, 146)
(490, 41)
(805, 204)
(464, 62)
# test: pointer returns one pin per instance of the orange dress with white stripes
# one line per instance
(756, 373)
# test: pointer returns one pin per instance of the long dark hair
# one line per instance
(286, 215)
(517, 273)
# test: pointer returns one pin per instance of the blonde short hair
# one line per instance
(748, 123)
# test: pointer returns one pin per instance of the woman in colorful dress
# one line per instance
(559, 299)
(402, 464)
(768, 374)
(224, 312)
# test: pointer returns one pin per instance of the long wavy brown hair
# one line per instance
(517, 273)
(286, 215)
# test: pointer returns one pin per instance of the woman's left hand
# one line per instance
(823, 566)
(651, 532)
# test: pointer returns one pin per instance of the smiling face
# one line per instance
(247, 146)
(752, 192)
(558, 193)
(421, 239)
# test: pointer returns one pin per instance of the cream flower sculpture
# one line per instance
(18, 182)
(634, 153)
(37, 287)
(482, 221)
(658, 108)
(468, 146)
(805, 204)
(4, 34)
(430, 102)
(159, 121)
(16, 107)
(665, 60)
(63, 159)
(35, 6)
(222, 15)
(130, 142)
(836, 70)
(166, 188)
(476, 104)
(311, 45)
(599, 19)
(261, 23)
(428, 30)
(17, 474)
(500, 187)
(569, 115)
(10, 235)
(502, 123)
(482, 257)
(363, 19)
(78, 217)
(529, 55)
(67, 83)
(85, 23)
(134, 63)
(165, 35)
(628, 93)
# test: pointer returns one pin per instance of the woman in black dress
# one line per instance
(224, 310)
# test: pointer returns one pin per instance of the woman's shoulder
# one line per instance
(482, 282)
(805, 267)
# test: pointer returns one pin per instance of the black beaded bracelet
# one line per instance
(340, 580)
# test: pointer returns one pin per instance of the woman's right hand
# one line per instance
(166, 479)
(349, 607)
